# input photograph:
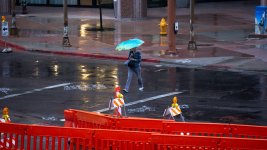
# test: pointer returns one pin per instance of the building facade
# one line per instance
(91, 3)
(5, 7)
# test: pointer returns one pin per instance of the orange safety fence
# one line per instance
(32, 137)
(97, 120)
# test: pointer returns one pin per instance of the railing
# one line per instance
(84, 119)
(96, 120)
(32, 137)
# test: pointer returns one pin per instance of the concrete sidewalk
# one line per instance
(221, 35)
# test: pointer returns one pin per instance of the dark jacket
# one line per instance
(137, 56)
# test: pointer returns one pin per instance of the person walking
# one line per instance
(134, 66)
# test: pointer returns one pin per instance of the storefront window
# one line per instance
(60, 2)
(37, 2)
(156, 3)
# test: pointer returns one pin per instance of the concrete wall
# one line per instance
(126, 8)
(131, 9)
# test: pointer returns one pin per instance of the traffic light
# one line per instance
(3, 19)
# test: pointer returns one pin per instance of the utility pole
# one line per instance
(192, 43)
(263, 2)
(66, 42)
(171, 19)
(100, 14)
(13, 29)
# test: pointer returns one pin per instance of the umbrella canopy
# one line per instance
(129, 44)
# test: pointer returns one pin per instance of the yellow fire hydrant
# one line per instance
(163, 27)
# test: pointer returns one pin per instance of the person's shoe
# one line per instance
(141, 89)
(124, 90)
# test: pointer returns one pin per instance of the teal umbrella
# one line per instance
(129, 44)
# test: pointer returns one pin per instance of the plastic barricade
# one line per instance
(167, 141)
(215, 129)
(196, 129)
(248, 131)
(125, 140)
(139, 124)
(34, 137)
(97, 120)
(84, 119)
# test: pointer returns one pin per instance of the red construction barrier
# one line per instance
(215, 129)
(167, 141)
(32, 137)
(139, 124)
(118, 139)
(83, 119)
(97, 120)
(248, 131)
(7, 141)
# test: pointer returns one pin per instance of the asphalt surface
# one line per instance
(37, 88)
(221, 32)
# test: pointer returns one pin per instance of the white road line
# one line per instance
(144, 100)
(35, 90)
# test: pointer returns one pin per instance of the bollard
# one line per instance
(163, 27)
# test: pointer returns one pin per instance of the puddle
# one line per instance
(260, 46)
(201, 52)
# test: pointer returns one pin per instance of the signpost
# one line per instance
(5, 31)
(5, 34)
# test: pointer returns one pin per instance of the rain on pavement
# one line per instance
(37, 88)
(213, 28)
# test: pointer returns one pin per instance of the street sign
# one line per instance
(5, 31)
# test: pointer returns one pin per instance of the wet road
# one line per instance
(37, 89)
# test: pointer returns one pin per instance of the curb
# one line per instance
(15, 46)
(100, 55)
